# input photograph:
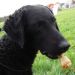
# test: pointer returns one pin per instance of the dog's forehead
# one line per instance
(36, 13)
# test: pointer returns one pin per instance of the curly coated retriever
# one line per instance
(29, 29)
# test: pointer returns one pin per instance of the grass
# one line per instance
(1, 25)
(45, 66)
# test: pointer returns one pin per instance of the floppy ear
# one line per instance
(14, 28)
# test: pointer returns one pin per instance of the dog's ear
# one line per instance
(14, 28)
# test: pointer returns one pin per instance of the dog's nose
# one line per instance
(64, 45)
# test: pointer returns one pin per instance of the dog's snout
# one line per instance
(64, 45)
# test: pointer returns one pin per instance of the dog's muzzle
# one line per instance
(62, 47)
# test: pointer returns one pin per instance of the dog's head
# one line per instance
(36, 26)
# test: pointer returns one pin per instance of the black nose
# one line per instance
(64, 45)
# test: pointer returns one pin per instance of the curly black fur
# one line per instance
(29, 29)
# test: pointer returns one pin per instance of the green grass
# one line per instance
(1, 25)
(45, 66)
(2, 32)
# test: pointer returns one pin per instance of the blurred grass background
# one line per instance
(45, 66)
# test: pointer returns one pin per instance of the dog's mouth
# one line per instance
(54, 55)
(55, 52)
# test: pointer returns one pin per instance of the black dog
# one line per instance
(29, 29)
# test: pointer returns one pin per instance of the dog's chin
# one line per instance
(53, 56)
(50, 56)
